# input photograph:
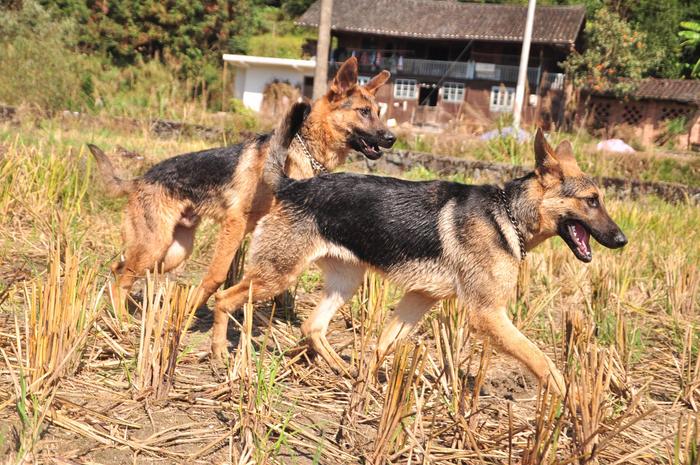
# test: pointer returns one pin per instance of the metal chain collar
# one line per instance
(514, 222)
(315, 164)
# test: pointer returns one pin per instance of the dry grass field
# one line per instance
(83, 383)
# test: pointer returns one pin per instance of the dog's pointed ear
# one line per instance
(344, 80)
(377, 81)
(565, 156)
(546, 163)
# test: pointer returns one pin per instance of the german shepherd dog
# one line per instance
(167, 203)
(435, 239)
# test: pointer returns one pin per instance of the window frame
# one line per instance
(363, 80)
(401, 89)
(453, 89)
(503, 97)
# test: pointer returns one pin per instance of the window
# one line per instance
(362, 80)
(453, 92)
(501, 98)
(405, 88)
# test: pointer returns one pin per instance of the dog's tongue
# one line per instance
(582, 237)
(371, 148)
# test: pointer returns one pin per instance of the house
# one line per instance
(657, 111)
(450, 59)
(252, 75)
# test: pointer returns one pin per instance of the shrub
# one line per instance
(38, 61)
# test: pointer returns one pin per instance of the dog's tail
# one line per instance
(274, 174)
(114, 186)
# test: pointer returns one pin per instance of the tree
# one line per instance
(615, 56)
(659, 20)
(190, 33)
(38, 60)
(691, 39)
(295, 7)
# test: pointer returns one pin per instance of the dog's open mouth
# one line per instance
(368, 144)
(370, 151)
(577, 237)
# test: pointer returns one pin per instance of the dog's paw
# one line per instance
(556, 382)
(218, 360)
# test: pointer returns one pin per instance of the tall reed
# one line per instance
(166, 313)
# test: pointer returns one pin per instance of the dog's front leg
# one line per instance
(230, 237)
(496, 324)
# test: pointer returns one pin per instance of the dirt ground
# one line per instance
(99, 418)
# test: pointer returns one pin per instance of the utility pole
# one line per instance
(522, 71)
(322, 47)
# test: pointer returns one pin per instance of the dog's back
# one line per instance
(385, 222)
(201, 176)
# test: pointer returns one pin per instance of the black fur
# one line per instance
(192, 176)
(383, 221)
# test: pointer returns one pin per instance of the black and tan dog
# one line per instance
(435, 239)
(225, 184)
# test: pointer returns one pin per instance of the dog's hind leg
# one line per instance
(234, 297)
(341, 281)
(496, 324)
(409, 311)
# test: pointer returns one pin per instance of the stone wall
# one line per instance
(482, 172)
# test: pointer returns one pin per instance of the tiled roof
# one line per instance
(676, 90)
(679, 90)
(449, 19)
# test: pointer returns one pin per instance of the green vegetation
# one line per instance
(134, 58)
(191, 33)
(691, 40)
(659, 21)
(614, 58)
(39, 64)
(277, 35)
(653, 24)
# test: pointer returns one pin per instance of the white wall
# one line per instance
(250, 82)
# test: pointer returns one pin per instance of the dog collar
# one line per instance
(315, 164)
(514, 222)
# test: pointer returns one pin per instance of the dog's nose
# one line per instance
(620, 239)
(389, 138)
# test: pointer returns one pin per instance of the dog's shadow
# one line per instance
(280, 310)
(277, 311)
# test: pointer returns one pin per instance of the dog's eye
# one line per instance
(366, 112)
(593, 201)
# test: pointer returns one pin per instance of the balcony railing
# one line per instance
(432, 68)
(451, 69)
(502, 73)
